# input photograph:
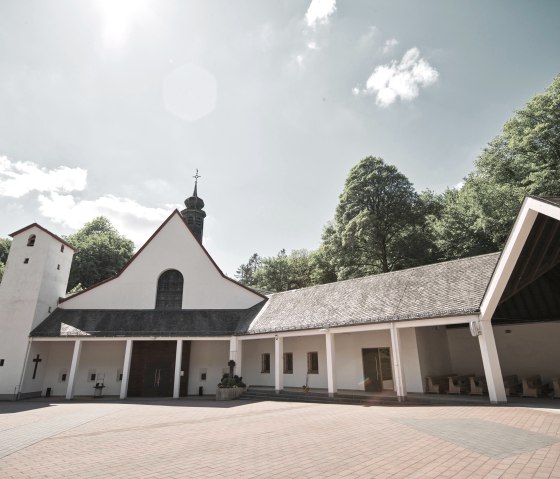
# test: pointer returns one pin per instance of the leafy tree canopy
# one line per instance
(4, 250)
(101, 253)
(379, 223)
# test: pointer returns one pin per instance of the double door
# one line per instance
(377, 368)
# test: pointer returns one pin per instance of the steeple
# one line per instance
(193, 213)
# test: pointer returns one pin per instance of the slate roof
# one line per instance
(443, 289)
(154, 322)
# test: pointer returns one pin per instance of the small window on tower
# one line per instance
(31, 240)
(62, 248)
(57, 266)
(26, 260)
(198, 220)
(1, 362)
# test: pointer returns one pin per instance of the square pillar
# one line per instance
(178, 360)
(236, 353)
(278, 364)
(126, 368)
(398, 376)
(491, 363)
(331, 360)
(74, 368)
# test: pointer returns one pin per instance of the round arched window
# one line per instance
(170, 290)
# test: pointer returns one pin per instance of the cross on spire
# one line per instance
(196, 177)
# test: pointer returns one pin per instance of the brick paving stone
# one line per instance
(202, 439)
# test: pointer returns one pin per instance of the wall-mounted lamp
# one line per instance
(475, 328)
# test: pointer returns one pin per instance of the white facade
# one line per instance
(35, 278)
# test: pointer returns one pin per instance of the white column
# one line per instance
(398, 376)
(331, 360)
(235, 353)
(491, 363)
(177, 379)
(278, 363)
(126, 368)
(74, 368)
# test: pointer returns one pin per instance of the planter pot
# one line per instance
(227, 394)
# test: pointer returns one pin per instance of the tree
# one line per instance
(101, 253)
(4, 250)
(245, 274)
(523, 160)
(379, 224)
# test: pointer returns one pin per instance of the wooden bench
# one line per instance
(533, 386)
(478, 385)
(437, 384)
(512, 385)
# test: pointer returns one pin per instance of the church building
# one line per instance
(168, 323)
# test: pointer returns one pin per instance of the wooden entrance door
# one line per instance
(377, 368)
(152, 368)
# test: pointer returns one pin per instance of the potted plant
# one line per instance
(231, 386)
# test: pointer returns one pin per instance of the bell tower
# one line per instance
(193, 213)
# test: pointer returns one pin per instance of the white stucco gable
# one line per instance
(172, 246)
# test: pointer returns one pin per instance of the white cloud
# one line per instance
(368, 37)
(19, 178)
(389, 44)
(130, 218)
(312, 46)
(319, 12)
(400, 79)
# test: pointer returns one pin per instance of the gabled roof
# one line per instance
(451, 288)
(36, 225)
(129, 262)
(151, 322)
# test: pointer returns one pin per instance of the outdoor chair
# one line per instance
(512, 385)
(437, 384)
(533, 386)
(478, 385)
(556, 387)
(458, 384)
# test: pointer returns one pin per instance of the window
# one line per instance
(31, 240)
(385, 361)
(265, 363)
(57, 266)
(313, 363)
(1, 362)
(288, 363)
(26, 260)
(62, 248)
(170, 290)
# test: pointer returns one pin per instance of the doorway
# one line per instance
(152, 369)
(377, 368)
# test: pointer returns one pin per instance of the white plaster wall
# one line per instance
(33, 385)
(251, 362)
(529, 349)
(174, 247)
(411, 361)
(59, 359)
(299, 347)
(433, 351)
(26, 292)
(212, 356)
(349, 362)
(464, 352)
(105, 357)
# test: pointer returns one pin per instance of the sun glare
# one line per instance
(118, 17)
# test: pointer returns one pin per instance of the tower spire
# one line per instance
(193, 213)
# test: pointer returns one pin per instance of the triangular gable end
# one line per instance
(522, 227)
(162, 257)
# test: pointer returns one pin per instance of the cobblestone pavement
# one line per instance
(202, 438)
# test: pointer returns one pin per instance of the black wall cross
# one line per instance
(37, 360)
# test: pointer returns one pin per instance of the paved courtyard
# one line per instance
(202, 438)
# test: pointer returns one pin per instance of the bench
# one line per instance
(478, 385)
(437, 384)
(512, 385)
(533, 386)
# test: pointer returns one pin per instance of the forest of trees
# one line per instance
(382, 224)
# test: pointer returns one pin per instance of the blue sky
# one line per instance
(108, 106)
